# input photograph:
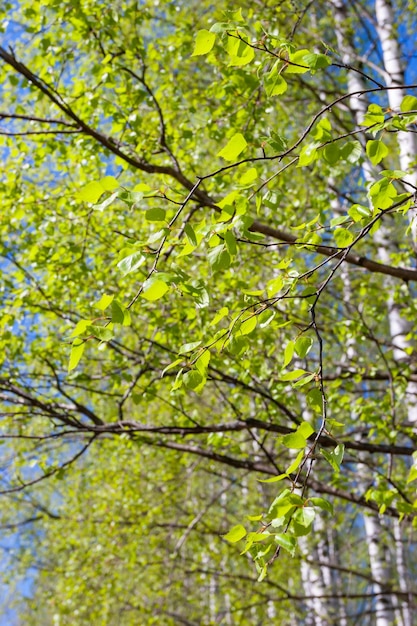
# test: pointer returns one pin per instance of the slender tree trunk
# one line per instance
(403, 575)
(379, 555)
(392, 54)
(315, 576)
(407, 143)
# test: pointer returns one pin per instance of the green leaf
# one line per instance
(375, 115)
(343, 237)
(219, 258)
(409, 103)
(91, 192)
(308, 154)
(307, 516)
(104, 302)
(117, 313)
(322, 504)
(292, 375)
(296, 463)
(233, 148)
(80, 328)
(192, 379)
(298, 439)
(109, 183)
(305, 429)
(274, 285)
(376, 151)
(77, 349)
(235, 534)
(100, 332)
(230, 241)
(298, 58)
(204, 42)
(335, 457)
(277, 142)
(303, 346)
(254, 518)
(275, 84)
(154, 289)
(202, 362)
(288, 353)
(248, 325)
(304, 380)
(220, 315)
(155, 215)
(322, 130)
(382, 194)
(351, 152)
(294, 441)
(172, 365)
(107, 202)
(288, 542)
(274, 479)
(131, 262)
(315, 400)
(284, 503)
(393, 174)
(412, 474)
(317, 61)
(248, 178)
(358, 212)
(240, 52)
(332, 153)
(191, 236)
(189, 347)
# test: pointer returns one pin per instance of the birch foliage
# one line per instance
(208, 230)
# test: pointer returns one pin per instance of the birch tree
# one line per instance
(208, 384)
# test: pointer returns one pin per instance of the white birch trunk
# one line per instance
(407, 143)
(316, 577)
(403, 576)
(313, 586)
(391, 52)
(376, 542)
(379, 557)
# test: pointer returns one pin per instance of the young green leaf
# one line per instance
(343, 237)
(204, 42)
(235, 534)
(288, 542)
(376, 151)
(77, 350)
(409, 103)
(248, 325)
(131, 262)
(154, 289)
(91, 192)
(303, 346)
(104, 301)
(233, 148)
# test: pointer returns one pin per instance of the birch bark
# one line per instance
(378, 551)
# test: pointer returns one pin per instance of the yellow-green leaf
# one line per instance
(235, 534)
(376, 151)
(204, 42)
(343, 237)
(77, 350)
(154, 290)
(104, 301)
(109, 183)
(80, 328)
(248, 325)
(91, 192)
(300, 66)
(233, 148)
